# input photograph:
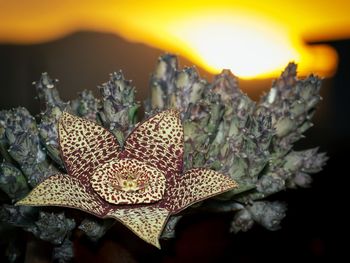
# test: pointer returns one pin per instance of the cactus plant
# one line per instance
(228, 139)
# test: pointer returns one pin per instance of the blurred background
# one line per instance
(81, 42)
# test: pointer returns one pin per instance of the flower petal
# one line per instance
(146, 222)
(194, 186)
(63, 190)
(84, 145)
(158, 141)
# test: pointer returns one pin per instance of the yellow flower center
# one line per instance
(129, 184)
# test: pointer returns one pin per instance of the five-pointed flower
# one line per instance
(140, 185)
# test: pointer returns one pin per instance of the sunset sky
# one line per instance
(252, 38)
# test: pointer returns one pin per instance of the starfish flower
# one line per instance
(140, 185)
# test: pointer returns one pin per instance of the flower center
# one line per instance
(130, 185)
(128, 181)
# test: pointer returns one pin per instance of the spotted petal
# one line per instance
(158, 141)
(147, 222)
(84, 145)
(66, 191)
(194, 186)
(62, 190)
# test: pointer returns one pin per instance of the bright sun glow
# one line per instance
(248, 49)
(253, 39)
(249, 45)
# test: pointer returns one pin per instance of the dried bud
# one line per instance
(47, 92)
(86, 105)
(189, 89)
(162, 85)
(119, 106)
(95, 228)
(242, 221)
(13, 182)
(300, 179)
(290, 103)
(24, 146)
(48, 133)
(268, 214)
(226, 85)
(299, 163)
(18, 216)
(270, 183)
(52, 227)
(201, 130)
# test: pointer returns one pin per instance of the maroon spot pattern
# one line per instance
(153, 157)
(159, 142)
(84, 145)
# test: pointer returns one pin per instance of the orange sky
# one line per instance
(253, 38)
